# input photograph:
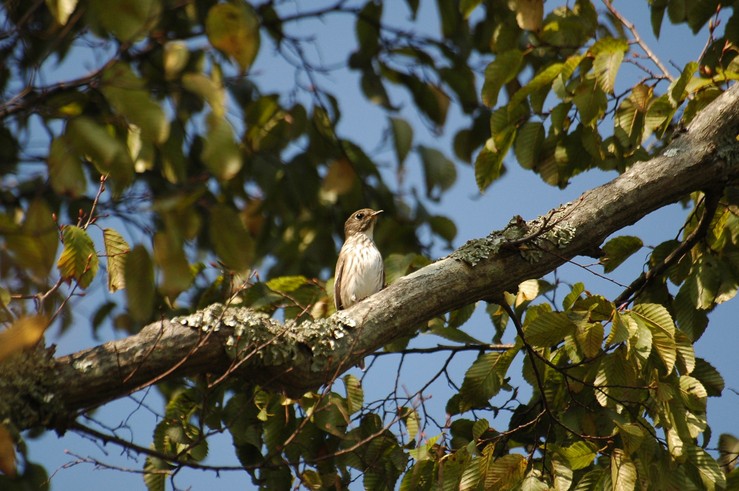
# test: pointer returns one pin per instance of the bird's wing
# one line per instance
(337, 282)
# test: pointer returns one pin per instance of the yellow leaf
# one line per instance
(22, 334)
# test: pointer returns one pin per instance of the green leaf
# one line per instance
(61, 9)
(528, 144)
(209, 89)
(591, 102)
(430, 99)
(618, 249)
(129, 96)
(368, 29)
(443, 227)
(677, 92)
(500, 71)
(541, 80)
(221, 154)
(231, 241)
(590, 338)
(609, 53)
(489, 163)
(65, 169)
(233, 29)
(99, 143)
(711, 379)
(127, 20)
(440, 172)
(402, 138)
(548, 329)
(287, 284)
(708, 470)
(139, 280)
(579, 455)
(623, 471)
(658, 320)
(35, 242)
(78, 260)
(354, 393)
(728, 448)
(506, 472)
(483, 379)
(156, 472)
(169, 256)
(116, 249)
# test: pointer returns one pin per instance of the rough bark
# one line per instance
(299, 358)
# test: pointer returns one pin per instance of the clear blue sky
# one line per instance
(518, 193)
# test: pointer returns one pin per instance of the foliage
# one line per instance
(173, 145)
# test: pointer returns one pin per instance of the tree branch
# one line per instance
(307, 355)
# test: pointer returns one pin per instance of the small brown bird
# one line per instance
(359, 270)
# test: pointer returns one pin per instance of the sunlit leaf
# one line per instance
(609, 53)
(99, 143)
(233, 29)
(618, 249)
(354, 393)
(61, 9)
(658, 320)
(579, 455)
(221, 153)
(23, 333)
(78, 261)
(623, 471)
(116, 249)
(548, 329)
(500, 71)
(506, 472)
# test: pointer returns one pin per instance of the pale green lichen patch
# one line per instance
(255, 334)
(532, 250)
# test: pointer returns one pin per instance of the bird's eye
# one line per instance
(359, 216)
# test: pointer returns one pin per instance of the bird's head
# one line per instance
(361, 221)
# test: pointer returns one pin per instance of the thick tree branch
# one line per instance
(296, 358)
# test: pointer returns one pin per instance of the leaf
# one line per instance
(7, 449)
(658, 320)
(548, 329)
(155, 473)
(489, 163)
(440, 172)
(708, 470)
(500, 71)
(231, 241)
(78, 260)
(169, 256)
(609, 53)
(506, 472)
(591, 102)
(35, 243)
(23, 333)
(139, 279)
(233, 29)
(728, 448)
(711, 379)
(618, 249)
(208, 89)
(402, 138)
(129, 97)
(590, 337)
(65, 169)
(483, 380)
(99, 143)
(116, 249)
(354, 393)
(579, 455)
(127, 20)
(221, 154)
(623, 471)
(528, 144)
(61, 9)
(339, 180)
(443, 227)
(529, 14)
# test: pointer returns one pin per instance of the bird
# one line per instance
(359, 269)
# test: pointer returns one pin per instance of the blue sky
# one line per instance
(518, 193)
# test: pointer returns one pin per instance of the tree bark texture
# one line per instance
(260, 350)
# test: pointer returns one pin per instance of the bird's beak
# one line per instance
(377, 213)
